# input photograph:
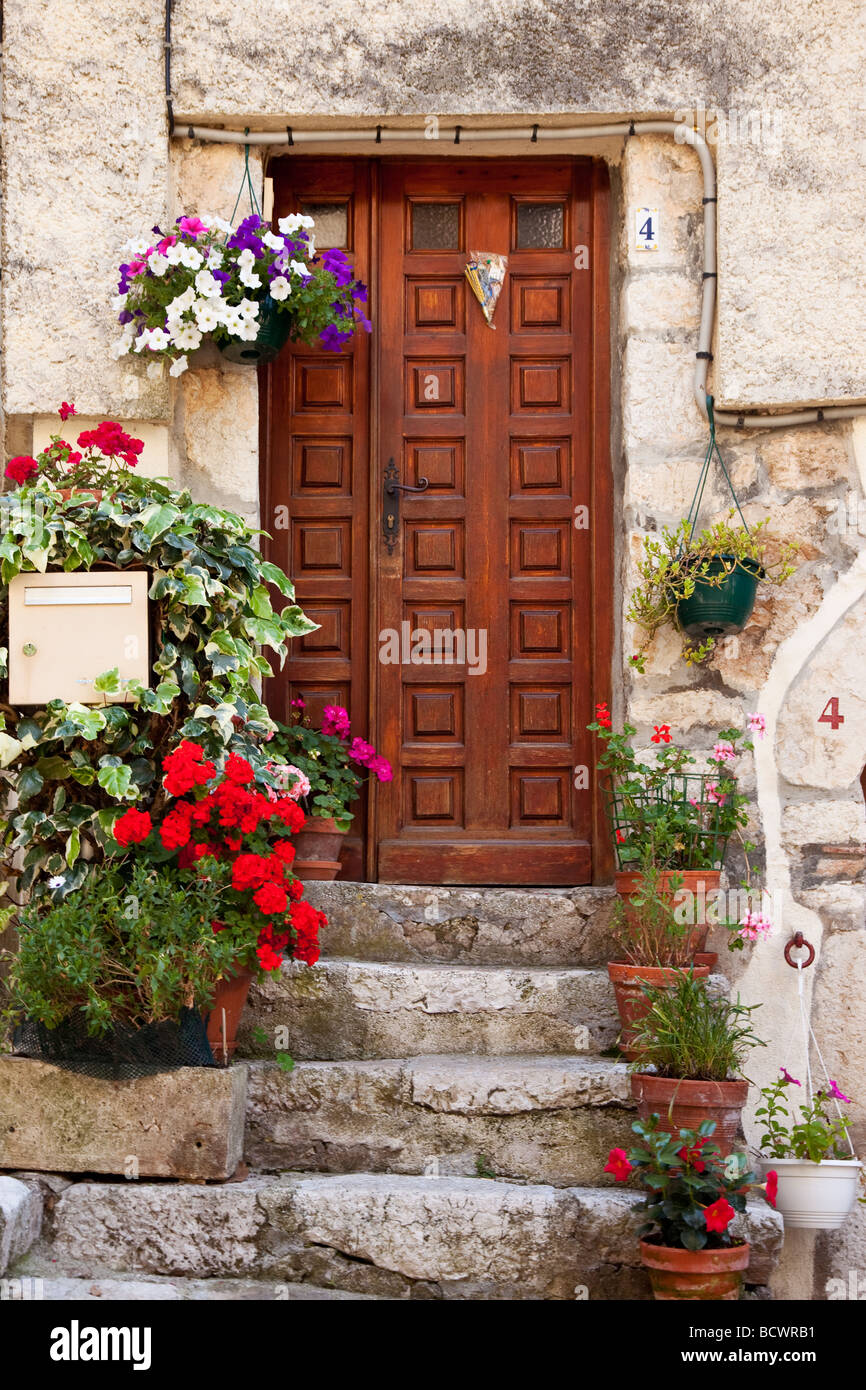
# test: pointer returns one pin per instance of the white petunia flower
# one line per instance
(248, 309)
(246, 259)
(136, 246)
(181, 302)
(280, 287)
(178, 366)
(191, 258)
(187, 336)
(157, 263)
(233, 322)
(249, 331)
(206, 284)
(119, 302)
(273, 241)
(252, 282)
(120, 347)
(159, 339)
(219, 224)
(298, 268)
(174, 253)
(290, 224)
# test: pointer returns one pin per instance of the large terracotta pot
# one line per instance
(682, 1104)
(632, 1003)
(695, 1274)
(225, 1016)
(317, 850)
(89, 496)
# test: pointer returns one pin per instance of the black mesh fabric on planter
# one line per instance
(122, 1054)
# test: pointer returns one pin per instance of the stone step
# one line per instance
(368, 1009)
(546, 1119)
(45, 1287)
(388, 1235)
(466, 926)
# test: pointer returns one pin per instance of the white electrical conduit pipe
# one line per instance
(382, 135)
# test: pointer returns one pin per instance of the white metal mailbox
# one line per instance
(67, 629)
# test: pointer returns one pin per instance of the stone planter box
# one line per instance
(187, 1123)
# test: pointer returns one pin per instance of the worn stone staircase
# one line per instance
(442, 1134)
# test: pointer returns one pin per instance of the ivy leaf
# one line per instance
(28, 784)
(73, 847)
(116, 780)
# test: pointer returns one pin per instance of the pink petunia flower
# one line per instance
(191, 225)
(837, 1094)
(788, 1079)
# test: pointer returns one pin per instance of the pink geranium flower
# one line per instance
(724, 752)
(757, 724)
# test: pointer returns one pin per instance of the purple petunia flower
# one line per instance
(124, 316)
(331, 339)
(788, 1079)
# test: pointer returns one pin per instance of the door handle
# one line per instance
(391, 489)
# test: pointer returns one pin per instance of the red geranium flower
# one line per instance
(771, 1187)
(271, 898)
(67, 408)
(662, 733)
(602, 716)
(132, 827)
(618, 1164)
(22, 468)
(269, 959)
(719, 1215)
(238, 769)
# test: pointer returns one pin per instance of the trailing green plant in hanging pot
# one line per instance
(704, 583)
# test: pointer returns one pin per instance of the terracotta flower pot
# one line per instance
(317, 850)
(87, 496)
(708, 958)
(682, 1104)
(701, 883)
(695, 1274)
(632, 1003)
(224, 1018)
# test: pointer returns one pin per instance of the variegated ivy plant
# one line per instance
(69, 770)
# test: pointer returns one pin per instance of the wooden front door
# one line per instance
(472, 641)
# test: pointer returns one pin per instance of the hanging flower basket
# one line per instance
(274, 330)
(722, 600)
(816, 1196)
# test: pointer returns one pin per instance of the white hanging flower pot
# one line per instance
(815, 1196)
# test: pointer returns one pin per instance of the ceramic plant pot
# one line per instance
(317, 850)
(274, 328)
(815, 1196)
(718, 610)
(707, 1275)
(682, 1104)
(632, 1003)
(224, 1018)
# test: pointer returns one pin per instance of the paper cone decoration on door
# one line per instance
(486, 274)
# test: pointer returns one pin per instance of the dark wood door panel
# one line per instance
(473, 651)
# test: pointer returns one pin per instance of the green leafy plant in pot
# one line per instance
(693, 1195)
(704, 583)
(810, 1148)
(692, 1047)
(325, 770)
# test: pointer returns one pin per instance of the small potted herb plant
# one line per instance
(692, 1196)
(692, 1047)
(324, 770)
(818, 1170)
(704, 584)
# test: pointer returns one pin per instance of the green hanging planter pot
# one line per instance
(718, 610)
(274, 329)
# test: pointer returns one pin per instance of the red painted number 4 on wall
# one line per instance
(830, 714)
